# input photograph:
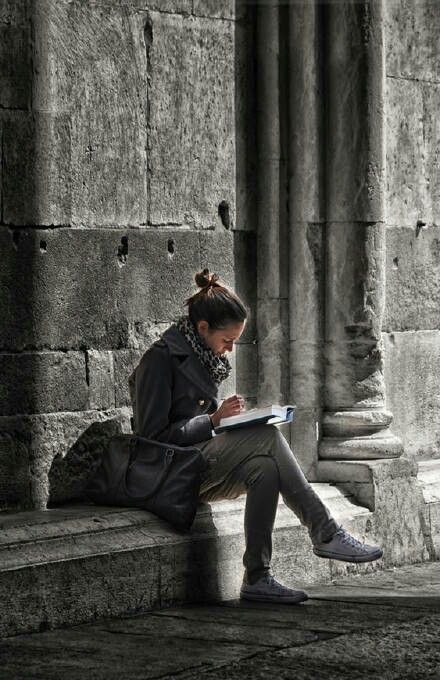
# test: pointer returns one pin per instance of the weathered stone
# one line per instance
(305, 434)
(413, 279)
(47, 277)
(407, 189)
(412, 367)
(15, 67)
(14, 12)
(101, 379)
(355, 158)
(191, 124)
(80, 563)
(221, 9)
(354, 306)
(273, 374)
(245, 277)
(36, 182)
(247, 378)
(217, 253)
(411, 32)
(100, 66)
(38, 382)
(54, 454)
(124, 362)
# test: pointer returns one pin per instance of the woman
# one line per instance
(174, 396)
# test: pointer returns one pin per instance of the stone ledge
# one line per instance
(79, 563)
(360, 477)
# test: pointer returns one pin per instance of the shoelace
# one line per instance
(351, 540)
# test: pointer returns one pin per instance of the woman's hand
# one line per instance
(231, 406)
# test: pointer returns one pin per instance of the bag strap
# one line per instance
(169, 453)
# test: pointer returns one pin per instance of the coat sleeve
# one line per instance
(152, 404)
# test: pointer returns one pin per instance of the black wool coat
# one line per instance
(172, 392)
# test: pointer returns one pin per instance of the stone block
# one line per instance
(304, 436)
(124, 362)
(100, 378)
(431, 127)
(217, 253)
(42, 382)
(247, 369)
(245, 276)
(192, 120)
(14, 12)
(412, 367)
(72, 288)
(15, 67)
(91, 78)
(50, 457)
(36, 180)
(407, 188)
(219, 9)
(273, 377)
(413, 279)
(412, 30)
(15, 488)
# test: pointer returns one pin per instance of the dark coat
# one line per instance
(172, 392)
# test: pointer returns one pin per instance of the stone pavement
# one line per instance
(384, 624)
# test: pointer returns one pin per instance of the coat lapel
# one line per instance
(191, 365)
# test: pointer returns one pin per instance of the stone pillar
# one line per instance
(306, 229)
(271, 315)
(355, 422)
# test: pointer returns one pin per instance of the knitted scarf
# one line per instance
(217, 365)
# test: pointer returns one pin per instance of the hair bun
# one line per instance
(204, 279)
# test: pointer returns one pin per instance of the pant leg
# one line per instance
(238, 463)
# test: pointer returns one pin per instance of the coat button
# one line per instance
(201, 402)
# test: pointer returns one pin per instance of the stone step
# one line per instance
(80, 563)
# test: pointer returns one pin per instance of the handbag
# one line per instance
(144, 473)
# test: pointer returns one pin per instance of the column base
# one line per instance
(383, 444)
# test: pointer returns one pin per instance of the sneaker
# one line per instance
(343, 546)
(267, 589)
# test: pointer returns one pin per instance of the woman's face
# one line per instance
(220, 341)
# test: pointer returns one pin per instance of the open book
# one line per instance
(272, 414)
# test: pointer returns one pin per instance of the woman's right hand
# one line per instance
(231, 406)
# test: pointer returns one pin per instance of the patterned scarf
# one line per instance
(217, 365)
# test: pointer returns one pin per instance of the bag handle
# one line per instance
(169, 453)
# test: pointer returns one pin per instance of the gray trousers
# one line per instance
(258, 461)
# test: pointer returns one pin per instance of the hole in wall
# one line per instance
(15, 238)
(395, 263)
(43, 246)
(123, 251)
(171, 246)
(223, 211)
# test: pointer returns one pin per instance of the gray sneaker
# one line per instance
(343, 546)
(267, 589)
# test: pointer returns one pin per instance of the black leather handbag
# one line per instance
(160, 477)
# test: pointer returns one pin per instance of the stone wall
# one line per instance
(411, 328)
(119, 122)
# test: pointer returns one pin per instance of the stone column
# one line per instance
(355, 422)
(272, 319)
(306, 229)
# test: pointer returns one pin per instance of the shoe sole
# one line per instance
(348, 558)
(273, 598)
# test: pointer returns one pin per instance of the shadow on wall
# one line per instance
(69, 474)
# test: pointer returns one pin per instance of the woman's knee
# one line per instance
(263, 467)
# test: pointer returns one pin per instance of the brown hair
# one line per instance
(215, 302)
